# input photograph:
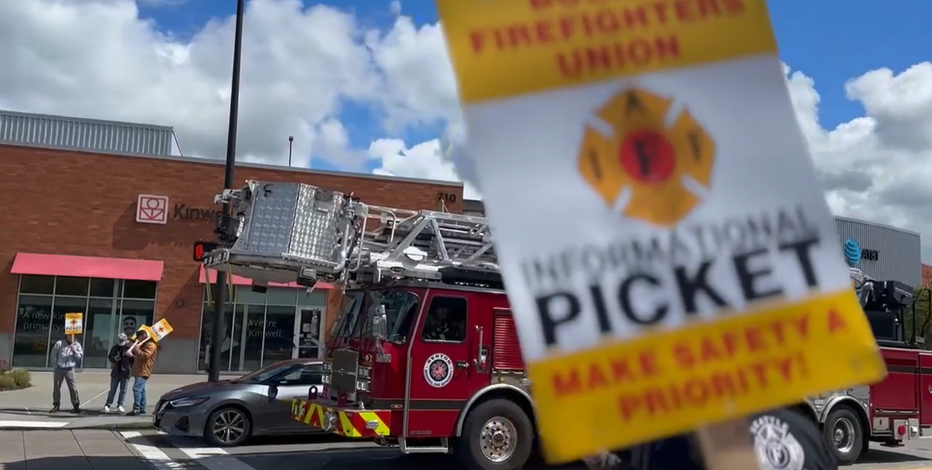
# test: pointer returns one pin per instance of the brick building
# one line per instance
(76, 239)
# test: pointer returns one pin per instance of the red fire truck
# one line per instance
(898, 407)
(424, 355)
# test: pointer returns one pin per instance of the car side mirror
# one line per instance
(380, 324)
(273, 392)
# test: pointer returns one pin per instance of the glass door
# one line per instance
(307, 332)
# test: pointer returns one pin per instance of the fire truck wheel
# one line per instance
(845, 435)
(497, 435)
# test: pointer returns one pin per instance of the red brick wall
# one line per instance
(926, 275)
(77, 203)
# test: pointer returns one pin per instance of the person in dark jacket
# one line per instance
(120, 367)
(783, 439)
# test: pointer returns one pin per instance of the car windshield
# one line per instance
(264, 374)
(400, 310)
(345, 324)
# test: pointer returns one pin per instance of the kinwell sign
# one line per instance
(184, 212)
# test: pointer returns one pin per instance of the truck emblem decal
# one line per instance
(438, 370)
(776, 447)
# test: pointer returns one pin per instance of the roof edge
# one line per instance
(878, 224)
(260, 166)
(88, 120)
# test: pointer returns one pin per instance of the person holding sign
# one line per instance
(143, 353)
(65, 357)
(120, 365)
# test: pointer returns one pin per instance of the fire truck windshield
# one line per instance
(345, 324)
(400, 311)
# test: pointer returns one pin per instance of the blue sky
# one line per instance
(831, 41)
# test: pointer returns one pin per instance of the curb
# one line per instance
(70, 426)
(112, 426)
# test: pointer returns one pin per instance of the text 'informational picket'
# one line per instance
(667, 250)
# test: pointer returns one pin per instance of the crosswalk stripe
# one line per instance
(215, 458)
(152, 454)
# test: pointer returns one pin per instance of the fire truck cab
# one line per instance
(429, 367)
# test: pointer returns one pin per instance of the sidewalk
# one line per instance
(28, 408)
(81, 450)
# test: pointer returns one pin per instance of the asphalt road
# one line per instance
(145, 450)
(325, 453)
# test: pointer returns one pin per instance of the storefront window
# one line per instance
(33, 317)
(279, 333)
(73, 286)
(37, 285)
(139, 290)
(40, 319)
(255, 333)
(101, 325)
(261, 328)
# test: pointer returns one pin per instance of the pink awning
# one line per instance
(87, 266)
(242, 281)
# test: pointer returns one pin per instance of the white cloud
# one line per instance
(97, 59)
(876, 167)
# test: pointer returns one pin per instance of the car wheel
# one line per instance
(498, 435)
(227, 427)
(844, 433)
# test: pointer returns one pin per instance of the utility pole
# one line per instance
(290, 146)
(216, 341)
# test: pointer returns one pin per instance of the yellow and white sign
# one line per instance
(74, 323)
(669, 255)
(159, 330)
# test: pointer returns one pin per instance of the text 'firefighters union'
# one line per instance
(668, 253)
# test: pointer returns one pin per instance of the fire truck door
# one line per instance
(925, 389)
(444, 373)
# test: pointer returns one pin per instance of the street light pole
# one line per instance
(290, 145)
(216, 341)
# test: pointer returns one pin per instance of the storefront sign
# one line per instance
(183, 212)
(854, 254)
(151, 209)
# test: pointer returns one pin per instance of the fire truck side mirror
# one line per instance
(379, 324)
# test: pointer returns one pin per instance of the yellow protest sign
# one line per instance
(684, 266)
(158, 331)
(74, 323)
(161, 329)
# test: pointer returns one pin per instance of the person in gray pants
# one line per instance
(65, 357)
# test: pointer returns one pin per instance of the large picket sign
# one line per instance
(668, 253)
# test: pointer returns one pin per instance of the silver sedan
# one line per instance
(228, 412)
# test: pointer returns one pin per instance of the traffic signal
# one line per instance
(202, 248)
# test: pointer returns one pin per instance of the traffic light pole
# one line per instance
(217, 333)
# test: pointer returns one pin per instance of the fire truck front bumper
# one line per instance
(342, 421)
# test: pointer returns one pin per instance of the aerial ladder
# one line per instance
(293, 232)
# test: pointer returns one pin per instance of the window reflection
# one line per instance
(101, 325)
(30, 342)
(279, 333)
(40, 319)
(254, 332)
(262, 328)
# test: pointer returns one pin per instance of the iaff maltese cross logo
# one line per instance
(636, 150)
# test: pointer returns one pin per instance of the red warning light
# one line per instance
(202, 248)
